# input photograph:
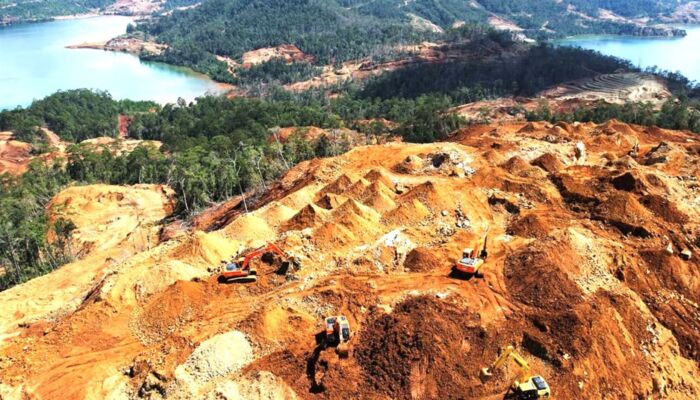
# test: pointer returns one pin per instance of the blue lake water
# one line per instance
(35, 63)
(672, 54)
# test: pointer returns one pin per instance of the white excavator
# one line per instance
(526, 386)
(338, 334)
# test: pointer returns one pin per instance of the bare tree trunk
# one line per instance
(284, 160)
(237, 169)
(184, 195)
(262, 178)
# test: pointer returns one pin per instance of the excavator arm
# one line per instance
(526, 385)
(243, 272)
(524, 373)
(507, 353)
(270, 247)
(484, 251)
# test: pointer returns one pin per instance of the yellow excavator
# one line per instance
(526, 386)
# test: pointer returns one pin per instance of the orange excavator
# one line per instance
(240, 270)
(472, 260)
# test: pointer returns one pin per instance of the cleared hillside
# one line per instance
(593, 235)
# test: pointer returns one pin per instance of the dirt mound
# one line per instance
(422, 259)
(576, 189)
(377, 188)
(410, 165)
(534, 127)
(615, 126)
(519, 167)
(630, 182)
(214, 358)
(308, 217)
(353, 208)
(345, 224)
(664, 153)
(338, 186)
(427, 193)
(548, 162)
(356, 190)
(418, 350)
(566, 127)
(378, 175)
(207, 248)
(330, 201)
(249, 228)
(407, 213)
(379, 200)
(168, 311)
(624, 211)
(665, 209)
(530, 272)
(536, 226)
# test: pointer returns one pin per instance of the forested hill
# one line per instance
(32, 10)
(16, 11)
(334, 31)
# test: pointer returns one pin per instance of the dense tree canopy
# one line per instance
(74, 115)
(334, 31)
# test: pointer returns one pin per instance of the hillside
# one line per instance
(336, 31)
(593, 236)
(18, 11)
(12, 11)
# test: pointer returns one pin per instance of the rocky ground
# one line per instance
(592, 274)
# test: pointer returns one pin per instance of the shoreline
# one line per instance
(64, 18)
(612, 36)
(77, 16)
(134, 47)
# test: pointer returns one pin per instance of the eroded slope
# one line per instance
(593, 235)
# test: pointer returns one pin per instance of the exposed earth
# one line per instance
(15, 156)
(592, 274)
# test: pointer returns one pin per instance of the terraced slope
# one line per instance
(614, 88)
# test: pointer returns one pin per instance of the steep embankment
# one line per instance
(112, 223)
(593, 233)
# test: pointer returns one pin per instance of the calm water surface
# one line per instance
(35, 63)
(672, 54)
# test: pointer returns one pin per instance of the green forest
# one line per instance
(334, 31)
(16, 11)
(74, 115)
(29, 10)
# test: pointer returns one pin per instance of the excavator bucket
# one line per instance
(343, 350)
(485, 375)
